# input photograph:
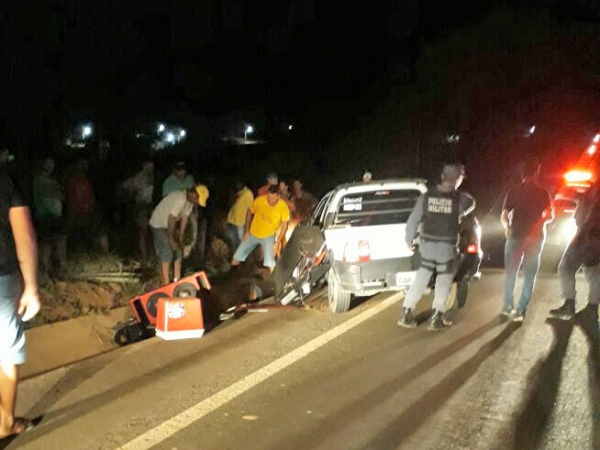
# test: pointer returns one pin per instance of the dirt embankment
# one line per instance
(96, 284)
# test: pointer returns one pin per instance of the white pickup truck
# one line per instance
(364, 227)
(356, 242)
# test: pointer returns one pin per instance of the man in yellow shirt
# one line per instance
(236, 219)
(267, 215)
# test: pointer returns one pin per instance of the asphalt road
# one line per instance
(308, 379)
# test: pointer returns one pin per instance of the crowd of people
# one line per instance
(66, 214)
(78, 208)
(268, 219)
(74, 209)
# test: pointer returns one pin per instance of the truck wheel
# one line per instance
(451, 303)
(339, 300)
(462, 291)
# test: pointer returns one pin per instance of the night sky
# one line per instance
(323, 65)
(210, 55)
(76, 58)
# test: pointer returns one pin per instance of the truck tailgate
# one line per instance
(384, 241)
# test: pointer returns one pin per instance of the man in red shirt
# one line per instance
(82, 201)
(272, 180)
(84, 220)
(304, 202)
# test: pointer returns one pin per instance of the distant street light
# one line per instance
(170, 138)
(182, 133)
(87, 131)
(161, 127)
(453, 138)
(532, 130)
(291, 127)
(248, 130)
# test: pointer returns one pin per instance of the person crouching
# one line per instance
(267, 218)
(177, 207)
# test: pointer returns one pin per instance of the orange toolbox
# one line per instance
(170, 312)
(179, 318)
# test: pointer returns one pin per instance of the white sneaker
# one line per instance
(519, 316)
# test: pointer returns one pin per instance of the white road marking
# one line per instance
(184, 419)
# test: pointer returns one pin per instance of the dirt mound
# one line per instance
(93, 284)
(62, 300)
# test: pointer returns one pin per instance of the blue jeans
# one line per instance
(12, 334)
(519, 252)
(577, 254)
(247, 246)
(234, 235)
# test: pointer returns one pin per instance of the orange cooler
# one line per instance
(179, 318)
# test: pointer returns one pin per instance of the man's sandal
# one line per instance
(20, 425)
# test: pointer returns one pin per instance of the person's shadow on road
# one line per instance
(534, 417)
(407, 422)
(591, 329)
(401, 428)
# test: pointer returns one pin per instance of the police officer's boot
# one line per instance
(565, 312)
(407, 320)
(438, 322)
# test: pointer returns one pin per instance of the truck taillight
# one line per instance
(472, 249)
(364, 253)
(357, 251)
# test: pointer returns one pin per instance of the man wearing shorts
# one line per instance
(19, 298)
(168, 241)
(267, 217)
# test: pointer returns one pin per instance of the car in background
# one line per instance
(355, 242)
(576, 181)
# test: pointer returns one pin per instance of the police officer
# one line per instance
(584, 250)
(438, 212)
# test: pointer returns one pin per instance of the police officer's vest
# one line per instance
(441, 217)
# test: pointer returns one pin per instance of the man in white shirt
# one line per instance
(175, 207)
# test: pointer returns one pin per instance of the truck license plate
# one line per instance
(404, 279)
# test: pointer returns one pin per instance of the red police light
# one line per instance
(578, 177)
